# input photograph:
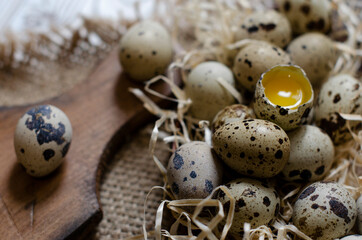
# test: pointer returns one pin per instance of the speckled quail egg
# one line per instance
(207, 94)
(359, 210)
(194, 171)
(284, 96)
(325, 210)
(352, 237)
(232, 113)
(145, 50)
(269, 26)
(311, 154)
(42, 139)
(307, 15)
(340, 94)
(254, 59)
(315, 53)
(252, 147)
(257, 203)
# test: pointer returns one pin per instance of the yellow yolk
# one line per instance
(286, 86)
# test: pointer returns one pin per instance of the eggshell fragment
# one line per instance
(42, 139)
(257, 203)
(193, 171)
(252, 147)
(145, 50)
(311, 154)
(325, 210)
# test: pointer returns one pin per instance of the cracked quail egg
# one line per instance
(359, 210)
(252, 147)
(42, 139)
(194, 171)
(325, 210)
(307, 15)
(284, 96)
(311, 154)
(145, 50)
(269, 26)
(340, 94)
(315, 53)
(254, 59)
(232, 113)
(207, 94)
(256, 203)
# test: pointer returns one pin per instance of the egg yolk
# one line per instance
(286, 86)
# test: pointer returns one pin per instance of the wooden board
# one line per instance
(64, 204)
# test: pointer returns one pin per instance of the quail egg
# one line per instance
(194, 171)
(42, 139)
(311, 154)
(284, 96)
(232, 113)
(325, 210)
(207, 94)
(269, 26)
(252, 147)
(257, 203)
(315, 53)
(307, 15)
(254, 59)
(145, 50)
(340, 94)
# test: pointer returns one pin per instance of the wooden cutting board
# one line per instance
(65, 204)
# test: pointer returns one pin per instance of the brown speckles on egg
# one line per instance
(333, 217)
(335, 97)
(251, 200)
(248, 147)
(311, 155)
(193, 171)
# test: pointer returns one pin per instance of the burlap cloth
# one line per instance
(126, 181)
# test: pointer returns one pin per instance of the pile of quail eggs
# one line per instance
(287, 132)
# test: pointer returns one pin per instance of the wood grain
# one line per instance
(64, 204)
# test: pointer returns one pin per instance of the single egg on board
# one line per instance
(42, 139)
(254, 59)
(307, 15)
(340, 94)
(270, 26)
(284, 96)
(252, 147)
(325, 210)
(194, 171)
(315, 53)
(257, 203)
(207, 94)
(311, 154)
(145, 50)
(232, 113)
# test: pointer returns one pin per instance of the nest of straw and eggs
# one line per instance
(207, 31)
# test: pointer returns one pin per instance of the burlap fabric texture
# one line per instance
(126, 181)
